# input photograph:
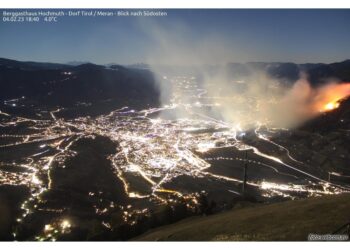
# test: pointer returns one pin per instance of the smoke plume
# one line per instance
(243, 95)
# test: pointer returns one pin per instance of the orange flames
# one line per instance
(304, 102)
(331, 106)
(327, 98)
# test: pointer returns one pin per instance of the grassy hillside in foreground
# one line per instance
(288, 221)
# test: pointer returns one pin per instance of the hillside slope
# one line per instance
(287, 221)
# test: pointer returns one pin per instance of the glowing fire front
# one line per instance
(328, 97)
(331, 106)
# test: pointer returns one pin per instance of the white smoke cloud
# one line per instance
(243, 100)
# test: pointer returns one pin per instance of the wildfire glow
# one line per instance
(304, 102)
(328, 97)
(331, 106)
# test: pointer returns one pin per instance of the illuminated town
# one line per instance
(157, 159)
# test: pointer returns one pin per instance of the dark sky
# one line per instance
(253, 35)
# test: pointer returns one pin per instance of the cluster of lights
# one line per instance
(52, 231)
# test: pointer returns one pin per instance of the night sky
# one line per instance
(254, 35)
